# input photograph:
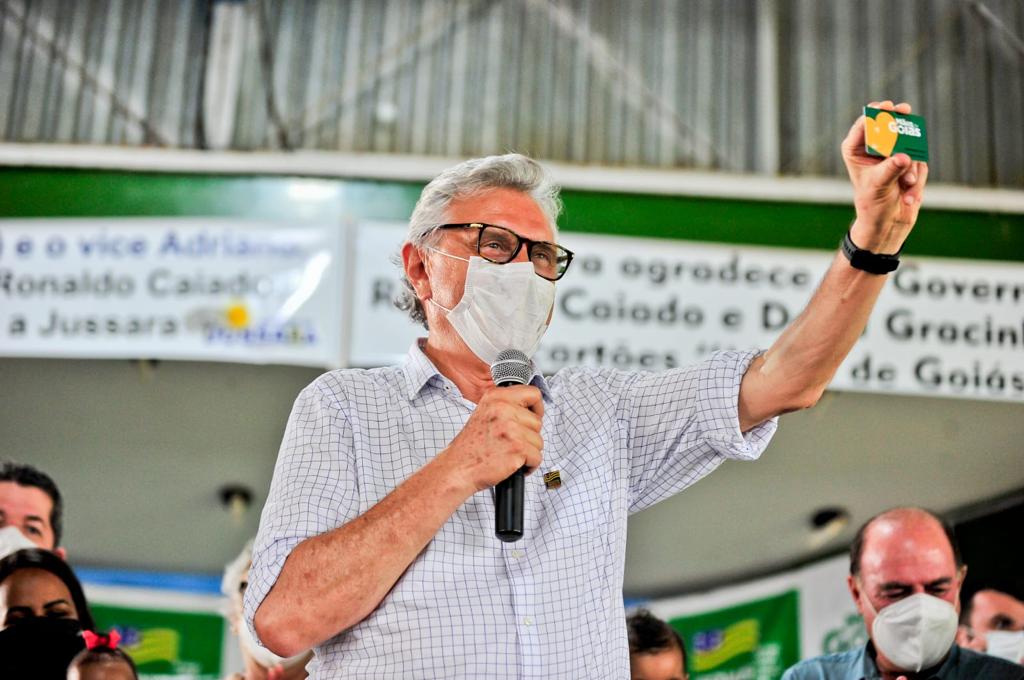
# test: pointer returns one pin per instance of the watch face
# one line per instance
(861, 260)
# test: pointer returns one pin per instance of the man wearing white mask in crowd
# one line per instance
(905, 578)
(31, 510)
(377, 544)
(260, 663)
(993, 622)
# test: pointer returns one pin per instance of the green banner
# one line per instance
(756, 640)
(167, 644)
(62, 192)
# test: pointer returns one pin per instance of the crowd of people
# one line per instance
(906, 574)
(47, 630)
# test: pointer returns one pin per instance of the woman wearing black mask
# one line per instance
(42, 614)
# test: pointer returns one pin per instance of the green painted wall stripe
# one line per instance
(45, 192)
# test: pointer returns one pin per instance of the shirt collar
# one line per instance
(947, 669)
(419, 369)
(869, 668)
(944, 670)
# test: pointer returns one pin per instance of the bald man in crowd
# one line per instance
(905, 578)
(992, 611)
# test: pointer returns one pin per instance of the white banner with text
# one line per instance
(941, 327)
(171, 288)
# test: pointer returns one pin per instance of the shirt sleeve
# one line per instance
(682, 423)
(314, 489)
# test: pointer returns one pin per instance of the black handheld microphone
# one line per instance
(512, 367)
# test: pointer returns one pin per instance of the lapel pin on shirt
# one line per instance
(552, 480)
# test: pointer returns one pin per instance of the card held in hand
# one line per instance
(889, 132)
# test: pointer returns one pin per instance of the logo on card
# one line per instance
(881, 133)
(889, 132)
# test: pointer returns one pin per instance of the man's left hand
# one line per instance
(887, 191)
(797, 368)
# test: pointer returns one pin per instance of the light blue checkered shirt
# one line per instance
(470, 606)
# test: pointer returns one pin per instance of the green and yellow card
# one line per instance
(889, 132)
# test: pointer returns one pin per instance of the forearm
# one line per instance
(332, 581)
(799, 365)
(794, 372)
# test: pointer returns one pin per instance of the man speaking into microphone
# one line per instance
(377, 544)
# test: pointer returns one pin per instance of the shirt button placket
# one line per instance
(523, 600)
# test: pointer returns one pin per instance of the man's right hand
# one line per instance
(332, 581)
(501, 436)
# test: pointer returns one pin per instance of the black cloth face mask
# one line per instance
(39, 648)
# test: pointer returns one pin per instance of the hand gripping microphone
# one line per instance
(512, 367)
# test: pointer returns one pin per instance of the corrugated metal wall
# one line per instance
(102, 72)
(737, 85)
(960, 62)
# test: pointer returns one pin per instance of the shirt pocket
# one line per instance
(581, 505)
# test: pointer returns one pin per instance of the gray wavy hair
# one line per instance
(509, 171)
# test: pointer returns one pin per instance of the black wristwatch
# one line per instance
(873, 263)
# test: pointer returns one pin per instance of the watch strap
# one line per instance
(865, 260)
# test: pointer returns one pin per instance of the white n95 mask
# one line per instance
(12, 540)
(503, 306)
(916, 632)
(1006, 644)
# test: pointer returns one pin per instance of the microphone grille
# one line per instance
(512, 366)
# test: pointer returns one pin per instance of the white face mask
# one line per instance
(916, 632)
(503, 306)
(262, 655)
(1006, 644)
(12, 540)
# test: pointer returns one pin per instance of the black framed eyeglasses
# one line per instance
(501, 245)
